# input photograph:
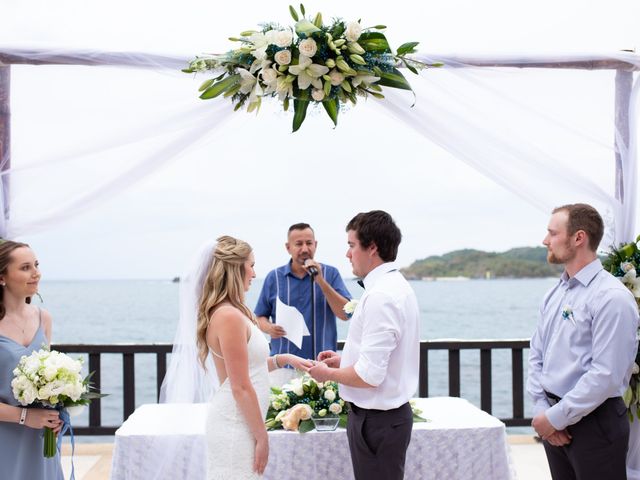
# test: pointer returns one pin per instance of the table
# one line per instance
(459, 442)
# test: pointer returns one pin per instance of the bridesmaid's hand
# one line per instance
(261, 455)
(43, 417)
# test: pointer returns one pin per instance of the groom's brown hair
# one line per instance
(377, 227)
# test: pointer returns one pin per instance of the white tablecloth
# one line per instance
(459, 442)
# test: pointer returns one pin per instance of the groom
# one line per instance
(581, 354)
(378, 371)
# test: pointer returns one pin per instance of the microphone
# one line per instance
(313, 271)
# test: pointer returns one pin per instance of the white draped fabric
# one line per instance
(525, 128)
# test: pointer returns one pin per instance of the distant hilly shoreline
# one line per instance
(522, 262)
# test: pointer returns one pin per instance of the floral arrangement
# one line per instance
(350, 307)
(623, 263)
(311, 62)
(292, 406)
(48, 378)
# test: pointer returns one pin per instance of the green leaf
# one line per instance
(232, 91)
(302, 10)
(394, 79)
(300, 112)
(343, 420)
(220, 87)
(407, 48)
(332, 107)
(187, 70)
(285, 104)
(206, 84)
(318, 20)
(419, 419)
(411, 68)
(374, 42)
(293, 13)
(306, 426)
(380, 27)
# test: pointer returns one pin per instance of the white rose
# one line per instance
(298, 390)
(336, 77)
(282, 38)
(269, 75)
(50, 372)
(280, 415)
(308, 47)
(353, 31)
(283, 57)
(317, 94)
(330, 395)
(335, 408)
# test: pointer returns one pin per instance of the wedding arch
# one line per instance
(460, 107)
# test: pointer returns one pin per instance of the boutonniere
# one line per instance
(567, 314)
(350, 307)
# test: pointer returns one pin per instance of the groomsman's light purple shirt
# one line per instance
(586, 355)
(383, 342)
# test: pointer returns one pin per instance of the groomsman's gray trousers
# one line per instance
(598, 449)
(378, 441)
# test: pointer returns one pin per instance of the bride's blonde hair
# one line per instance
(224, 283)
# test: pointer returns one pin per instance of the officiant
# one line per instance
(317, 293)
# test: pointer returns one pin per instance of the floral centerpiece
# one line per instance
(51, 379)
(623, 263)
(292, 406)
(312, 62)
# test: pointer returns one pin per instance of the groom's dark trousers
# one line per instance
(378, 441)
(598, 449)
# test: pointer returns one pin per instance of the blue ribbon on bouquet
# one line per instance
(66, 425)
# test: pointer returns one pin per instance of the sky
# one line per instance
(252, 180)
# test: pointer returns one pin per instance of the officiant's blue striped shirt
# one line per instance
(296, 292)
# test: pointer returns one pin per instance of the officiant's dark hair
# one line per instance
(299, 226)
(377, 227)
(584, 217)
(6, 249)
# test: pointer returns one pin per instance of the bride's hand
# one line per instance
(261, 455)
(297, 362)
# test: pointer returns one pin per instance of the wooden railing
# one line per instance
(453, 347)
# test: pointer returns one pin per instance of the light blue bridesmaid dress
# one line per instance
(20, 446)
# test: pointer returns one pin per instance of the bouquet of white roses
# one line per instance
(623, 263)
(292, 405)
(311, 62)
(51, 379)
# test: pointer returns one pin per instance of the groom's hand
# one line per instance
(330, 358)
(320, 372)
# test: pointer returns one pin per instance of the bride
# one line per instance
(237, 442)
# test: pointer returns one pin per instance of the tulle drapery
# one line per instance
(489, 117)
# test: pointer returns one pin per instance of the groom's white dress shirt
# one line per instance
(584, 346)
(383, 342)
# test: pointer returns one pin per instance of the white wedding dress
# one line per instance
(230, 443)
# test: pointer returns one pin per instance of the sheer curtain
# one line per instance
(492, 118)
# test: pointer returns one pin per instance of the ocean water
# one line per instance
(146, 311)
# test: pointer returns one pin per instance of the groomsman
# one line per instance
(378, 371)
(582, 353)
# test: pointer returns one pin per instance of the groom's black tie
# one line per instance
(361, 283)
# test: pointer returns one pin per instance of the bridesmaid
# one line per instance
(23, 329)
